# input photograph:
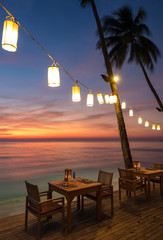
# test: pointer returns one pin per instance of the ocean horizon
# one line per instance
(45, 161)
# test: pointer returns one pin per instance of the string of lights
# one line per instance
(9, 43)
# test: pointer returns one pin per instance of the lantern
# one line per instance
(136, 164)
(158, 127)
(53, 76)
(153, 126)
(146, 124)
(10, 35)
(131, 113)
(140, 120)
(76, 93)
(107, 99)
(100, 98)
(68, 174)
(123, 105)
(90, 99)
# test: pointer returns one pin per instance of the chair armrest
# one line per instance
(129, 180)
(44, 193)
(56, 200)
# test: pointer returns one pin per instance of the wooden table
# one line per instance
(148, 174)
(76, 187)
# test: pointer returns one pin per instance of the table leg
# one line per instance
(78, 202)
(149, 190)
(98, 205)
(69, 215)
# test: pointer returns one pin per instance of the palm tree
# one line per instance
(122, 129)
(126, 36)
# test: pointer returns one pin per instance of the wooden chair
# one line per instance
(159, 180)
(106, 189)
(130, 183)
(41, 209)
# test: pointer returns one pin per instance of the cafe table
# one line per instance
(73, 188)
(148, 174)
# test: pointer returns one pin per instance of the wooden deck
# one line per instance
(141, 221)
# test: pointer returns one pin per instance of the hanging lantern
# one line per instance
(90, 99)
(10, 35)
(107, 99)
(53, 76)
(140, 120)
(123, 105)
(146, 124)
(100, 98)
(76, 93)
(131, 113)
(68, 174)
(153, 126)
(158, 127)
(113, 99)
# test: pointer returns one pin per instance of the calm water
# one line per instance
(41, 162)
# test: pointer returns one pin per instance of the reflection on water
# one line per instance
(41, 162)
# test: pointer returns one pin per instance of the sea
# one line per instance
(43, 162)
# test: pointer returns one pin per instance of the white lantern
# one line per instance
(158, 127)
(10, 35)
(76, 93)
(113, 99)
(131, 113)
(100, 98)
(123, 105)
(90, 99)
(146, 124)
(107, 99)
(140, 120)
(53, 76)
(153, 126)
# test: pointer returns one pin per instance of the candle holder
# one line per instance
(68, 174)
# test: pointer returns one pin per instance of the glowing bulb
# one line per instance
(153, 126)
(76, 93)
(116, 78)
(10, 35)
(140, 120)
(146, 124)
(107, 99)
(158, 127)
(53, 76)
(131, 113)
(100, 98)
(123, 105)
(90, 99)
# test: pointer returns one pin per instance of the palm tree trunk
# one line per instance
(122, 129)
(150, 84)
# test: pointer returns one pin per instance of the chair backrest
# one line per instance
(127, 174)
(32, 191)
(158, 166)
(105, 177)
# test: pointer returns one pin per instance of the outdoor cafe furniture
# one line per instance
(130, 183)
(73, 188)
(42, 209)
(148, 175)
(106, 189)
(158, 179)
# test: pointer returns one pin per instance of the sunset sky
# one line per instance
(31, 109)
